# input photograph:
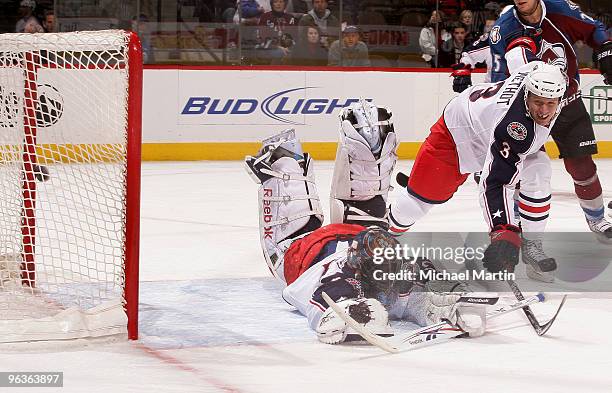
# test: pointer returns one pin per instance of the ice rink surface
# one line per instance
(212, 319)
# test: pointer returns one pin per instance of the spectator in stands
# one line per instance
(250, 9)
(248, 14)
(225, 10)
(321, 17)
(276, 31)
(275, 23)
(466, 18)
(493, 7)
(452, 48)
(429, 42)
(351, 52)
(27, 18)
(49, 22)
(309, 50)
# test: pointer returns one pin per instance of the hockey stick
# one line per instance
(597, 98)
(425, 336)
(540, 329)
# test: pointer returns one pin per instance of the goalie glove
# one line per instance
(462, 74)
(604, 61)
(332, 329)
(444, 300)
(503, 252)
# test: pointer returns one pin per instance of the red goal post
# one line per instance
(70, 139)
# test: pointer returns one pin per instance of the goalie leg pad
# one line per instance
(331, 329)
(289, 205)
(365, 159)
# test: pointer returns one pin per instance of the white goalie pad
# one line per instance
(365, 159)
(287, 201)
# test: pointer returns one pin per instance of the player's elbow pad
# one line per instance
(523, 42)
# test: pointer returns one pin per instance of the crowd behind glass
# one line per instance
(350, 33)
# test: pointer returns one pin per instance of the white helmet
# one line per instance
(546, 80)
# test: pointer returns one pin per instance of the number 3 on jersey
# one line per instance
(505, 151)
(486, 93)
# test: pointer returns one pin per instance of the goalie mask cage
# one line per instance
(70, 103)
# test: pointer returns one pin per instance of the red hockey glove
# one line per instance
(503, 252)
(463, 77)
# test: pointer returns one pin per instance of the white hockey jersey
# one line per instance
(494, 133)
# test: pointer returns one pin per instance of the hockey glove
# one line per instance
(604, 59)
(462, 74)
(503, 252)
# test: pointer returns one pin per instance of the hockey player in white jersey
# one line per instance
(338, 258)
(499, 128)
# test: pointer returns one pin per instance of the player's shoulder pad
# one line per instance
(516, 128)
(561, 6)
(506, 29)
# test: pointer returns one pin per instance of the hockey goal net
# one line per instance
(70, 115)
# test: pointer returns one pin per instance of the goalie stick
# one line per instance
(540, 329)
(424, 336)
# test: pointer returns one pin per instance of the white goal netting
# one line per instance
(65, 133)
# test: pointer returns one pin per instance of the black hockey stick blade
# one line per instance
(544, 328)
(539, 329)
(401, 179)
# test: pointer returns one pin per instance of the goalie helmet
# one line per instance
(366, 254)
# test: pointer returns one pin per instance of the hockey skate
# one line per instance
(602, 228)
(540, 267)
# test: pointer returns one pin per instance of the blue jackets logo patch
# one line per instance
(517, 131)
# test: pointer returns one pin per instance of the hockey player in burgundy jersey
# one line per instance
(546, 30)
(499, 128)
(338, 259)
